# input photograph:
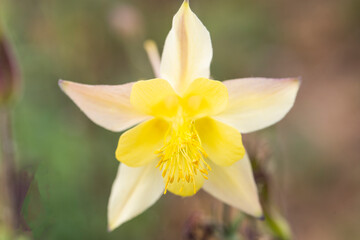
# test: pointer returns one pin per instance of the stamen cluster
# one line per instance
(182, 156)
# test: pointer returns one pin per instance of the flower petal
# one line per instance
(222, 143)
(187, 51)
(186, 189)
(235, 186)
(205, 97)
(153, 55)
(138, 145)
(134, 190)
(107, 106)
(154, 97)
(256, 103)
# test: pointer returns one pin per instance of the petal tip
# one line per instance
(260, 214)
(294, 80)
(149, 44)
(111, 226)
(185, 6)
(62, 84)
(295, 83)
(297, 80)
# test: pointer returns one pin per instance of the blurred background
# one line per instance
(67, 163)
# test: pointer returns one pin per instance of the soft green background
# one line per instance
(315, 147)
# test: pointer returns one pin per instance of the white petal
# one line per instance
(134, 190)
(107, 106)
(235, 185)
(187, 51)
(256, 103)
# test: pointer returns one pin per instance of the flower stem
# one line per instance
(273, 220)
(8, 176)
(226, 216)
(230, 226)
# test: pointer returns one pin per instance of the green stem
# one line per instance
(274, 221)
(230, 227)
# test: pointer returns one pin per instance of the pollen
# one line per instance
(182, 157)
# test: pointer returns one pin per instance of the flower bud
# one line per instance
(9, 77)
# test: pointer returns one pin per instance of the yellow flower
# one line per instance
(188, 133)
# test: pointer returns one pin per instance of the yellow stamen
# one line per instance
(182, 155)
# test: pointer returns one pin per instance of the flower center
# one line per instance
(182, 156)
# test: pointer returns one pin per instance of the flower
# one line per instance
(188, 133)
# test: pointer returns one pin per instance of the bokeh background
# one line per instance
(69, 161)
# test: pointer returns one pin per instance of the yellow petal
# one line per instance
(138, 145)
(221, 142)
(134, 190)
(205, 97)
(235, 186)
(107, 106)
(256, 103)
(187, 51)
(188, 188)
(154, 97)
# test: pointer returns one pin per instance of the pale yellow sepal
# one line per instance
(134, 190)
(153, 55)
(138, 145)
(235, 185)
(222, 143)
(256, 103)
(107, 106)
(187, 51)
